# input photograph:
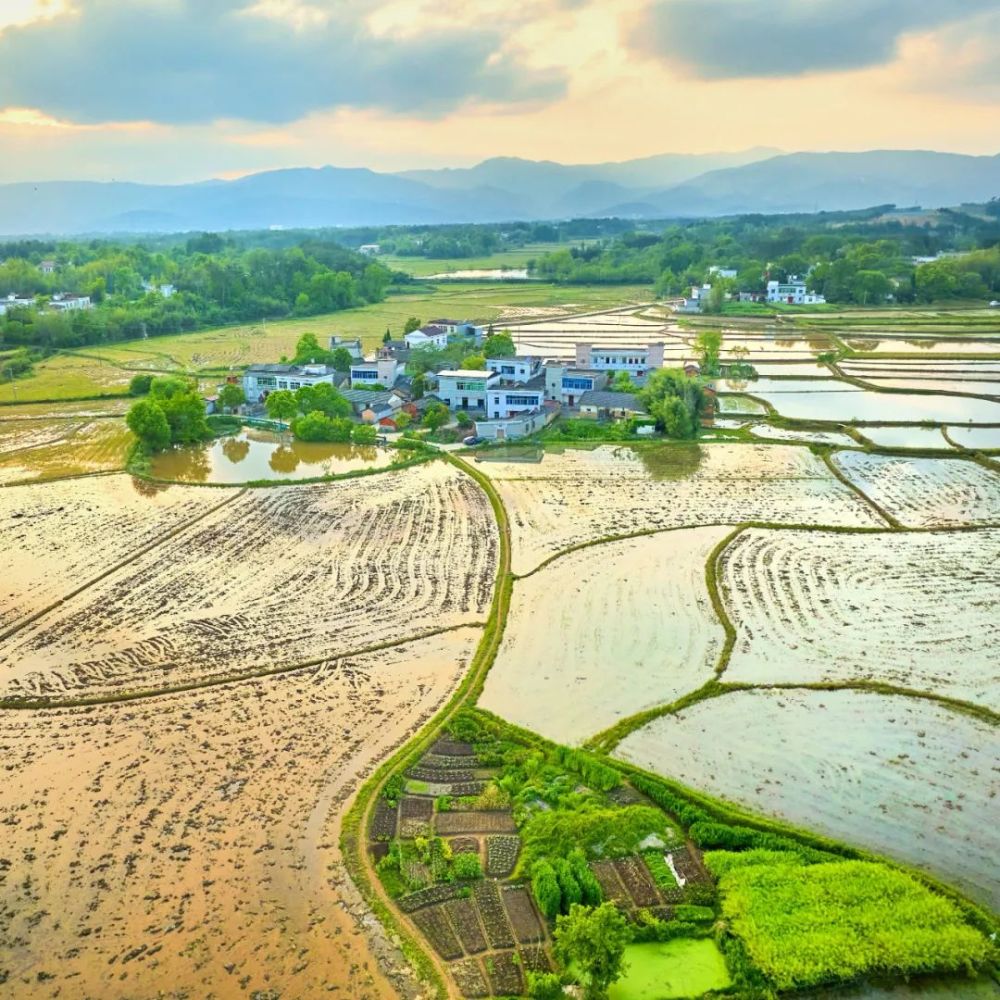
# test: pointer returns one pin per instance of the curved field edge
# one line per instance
(356, 820)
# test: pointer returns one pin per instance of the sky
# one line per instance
(170, 91)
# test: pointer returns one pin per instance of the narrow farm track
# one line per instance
(132, 556)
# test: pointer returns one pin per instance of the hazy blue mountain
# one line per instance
(507, 188)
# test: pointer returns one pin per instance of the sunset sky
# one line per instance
(181, 90)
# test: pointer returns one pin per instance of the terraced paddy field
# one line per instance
(582, 495)
(925, 492)
(901, 776)
(416, 554)
(66, 376)
(665, 641)
(187, 845)
(916, 611)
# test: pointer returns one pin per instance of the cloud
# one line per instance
(192, 61)
(720, 39)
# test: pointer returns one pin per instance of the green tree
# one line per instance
(232, 396)
(139, 385)
(474, 362)
(545, 986)
(499, 345)
(545, 889)
(323, 397)
(593, 941)
(463, 419)
(418, 385)
(708, 345)
(622, 382)
(341, 359)
(410, 325)
(147, 421)
(364, 434)
(436, 415)
(403, 421)
(307, 349)
(183, 407)
(387, 336)
(870, 286)
(281, 405)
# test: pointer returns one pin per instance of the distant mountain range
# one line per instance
(508, 188)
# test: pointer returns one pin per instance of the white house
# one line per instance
(370, 249)
(603, 405)
(165, 290)
(381, 370)
(511, 428)
(431, 335)
(508, 398)
(67, 301)
(723, 272)
(634, 360)
(792, 292)
(465, 389)
(47, 266)
(259, 380)
(566, 385)
(16, 302)
(519, 369)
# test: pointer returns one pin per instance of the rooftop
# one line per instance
(307, 370)
(534, 384)
(467, 373)
(612, 400)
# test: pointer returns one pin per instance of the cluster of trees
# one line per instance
(461, 353)
(675, 401)
(558, 884)
(216, 282)
(172, 413)
(851, 257)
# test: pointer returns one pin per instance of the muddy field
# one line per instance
(914, 610)
(926, 492)
(64, 449)
(901, 776)
(275, 577)
(57, 537)
(606, 632)
(582, 495)
(185, 846)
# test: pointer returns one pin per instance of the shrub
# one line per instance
(463, 419)
(589, 886)
(364, 434)
(569, 888)
(467, 867)
(545, 888)
(544, 986)
(694, 914)
(392, 791)
(139, 385)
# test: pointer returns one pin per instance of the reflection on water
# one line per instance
(670, 461)
(252, 455)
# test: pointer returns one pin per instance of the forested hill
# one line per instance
(505, 189)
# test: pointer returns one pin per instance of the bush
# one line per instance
(569, 888)
(589, 886)
(317, 426)
(544, 986)
(139, 385)
(364, 434)
(545, 889)
(463, 419)
(694, 914)
(467, 867)
(393, 789)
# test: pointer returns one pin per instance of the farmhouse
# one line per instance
(722, 272)
(68, 301)
(383, 370)
(366, 399)
(567, 385)
(47, 266)
(353, 347)
(792, 292)
(259, 380)
(634, 360)
(512, 428)
(431, 335)
(519, 369)
(465, 389)
(152, 289)
(370, 249)
(16, 302)
(507, 398)
(603, 405)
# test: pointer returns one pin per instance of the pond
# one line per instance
(480, 274)
(879, 345)
(253, 455)
(976, 437)
(906, 437)
(683, 967)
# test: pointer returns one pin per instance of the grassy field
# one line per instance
(423, 266)
(234, 346)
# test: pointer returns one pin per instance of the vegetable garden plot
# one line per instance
(201, 829)
(57, 536)
(580, 496)
(434, 925)
(576, 676)
(493, 915)
(523, 918)
(914, 610)
(279, 576)
(465, 919)
(902, 776)
(926, 492)
(473, 822)
(469, 978)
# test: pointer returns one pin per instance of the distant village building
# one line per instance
(507, 398)
(512, 428)
(14, 301)
(382, 370)
(68, 301)
(47, 266)
(370, 249)
(723, 272)
(165, 290)
(519, 369)
(260, 380)
(792, 292)
(431, 335)
(353, 347)
(634, 360)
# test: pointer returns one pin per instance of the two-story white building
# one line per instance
(519, 369)
(465, 389)
(508, 398)
(634, 360)
(564, 384)
(793, 292)
(431, 335)
(260, 380)
(382, 370)
(353, 347)
(16, 302)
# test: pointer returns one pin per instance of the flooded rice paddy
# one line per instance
(254, 455)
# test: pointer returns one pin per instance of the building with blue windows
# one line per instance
(566, 385)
